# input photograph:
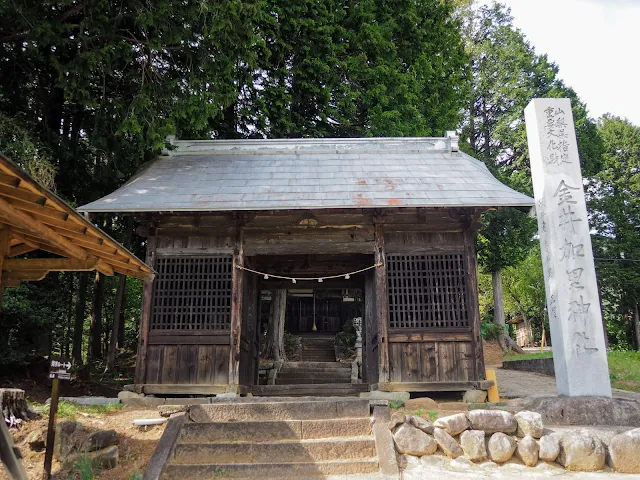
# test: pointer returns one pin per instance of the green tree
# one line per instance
(614, 208)
(506, 75)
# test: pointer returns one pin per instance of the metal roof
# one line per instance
(223, 175)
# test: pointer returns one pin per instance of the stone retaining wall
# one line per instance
(538, 365)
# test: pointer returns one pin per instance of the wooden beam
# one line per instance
(145, 314)
(104, 268)
(50, 264)
(10, 213)
(237, 294)
(5, 238)
(27, 276)
(185, 389)
(21, 249)
(382, 305)
(471, 259)
(434, 386)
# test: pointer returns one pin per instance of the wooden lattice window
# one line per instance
(192, 293)
(427, 291)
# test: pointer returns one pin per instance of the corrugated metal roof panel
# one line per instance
(310, 173)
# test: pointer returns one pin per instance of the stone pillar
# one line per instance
(579, 351)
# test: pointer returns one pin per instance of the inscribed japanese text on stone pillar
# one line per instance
(579, 353)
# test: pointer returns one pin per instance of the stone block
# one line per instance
(624, 451)
(549, 448)
(143, 402)
(473, 445)
(129, 394)
(90, 400)
(397, 418)
(101, 439)
(168, 410)
(453, 424)
(474, 396)
(501, 447)
(527, 451)
(529, 423)
(411, 441)
(104, 459)
(423, 403)
(420, 423)
(581, 452)
(397, 397)
(447, 443)
(492, 421)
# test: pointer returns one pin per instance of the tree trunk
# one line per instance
(636, 323)
(95, 350)
(275, 332)
(528, 329)
(506, 342)
(81, 305)
(14, 406)
(115, 329)
(123, 303)
(67, 335)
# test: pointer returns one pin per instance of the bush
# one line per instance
(291, 346)
(490, 331)
(345, 341)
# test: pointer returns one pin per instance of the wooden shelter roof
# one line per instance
(33, 218)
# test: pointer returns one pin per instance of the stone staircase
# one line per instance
(296, 373)
(318, 348)
(275, 438)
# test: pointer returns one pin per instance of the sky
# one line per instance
(596, 45)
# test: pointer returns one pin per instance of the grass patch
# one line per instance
(624, 370)
(395, 405)
(428, 414)
(70, 409)
(528, 356)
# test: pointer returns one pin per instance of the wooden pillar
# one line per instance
(382, 306)
(237, 290)
(145, 314)
(474, 306)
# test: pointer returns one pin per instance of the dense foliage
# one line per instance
(90, 90)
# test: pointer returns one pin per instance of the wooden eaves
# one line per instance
(33, 218)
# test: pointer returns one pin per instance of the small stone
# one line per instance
(501, 447)
(473, 445)
(453, 424)
(420, 423)
(399, 398)
(474, 396)
(549, 448)
(529, 423)
(461, 463)
(104, 459)
(127, 394)
(69, 438)
(101, 439)
(527, 451)
(37, 440)
(411, 441)
(424, 403)
(168, 410)
(397, 418)
(492, 421)
(433, 461)
(227, 395)
(581, 452)
(447, 443)
(624, 451)
(488, 465)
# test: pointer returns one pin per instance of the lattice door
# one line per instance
(428, 291)
(192, 293)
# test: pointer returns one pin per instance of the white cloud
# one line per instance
(595, 44)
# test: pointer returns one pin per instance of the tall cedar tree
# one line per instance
(506, 75)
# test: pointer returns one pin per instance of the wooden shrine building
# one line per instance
(227, 219)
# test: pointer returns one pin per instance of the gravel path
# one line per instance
(513, 383)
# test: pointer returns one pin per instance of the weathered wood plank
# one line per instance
(170, 364)
(403, 336)
(145, 313)
(193, 338)
(206, 359)
(237, 296)
(178, 389)
(433, 386)
(428, 365)
(382, 305)
(155, 354)
(410, 362)
(473, 305)
(221, 364)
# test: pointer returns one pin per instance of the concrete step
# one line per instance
(296, 451)
(272, 470)
(307, 390)
(226, 432)
(283, 410)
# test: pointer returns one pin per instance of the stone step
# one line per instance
(274, 431)
(271, 470)
(306, 380)
(296, 451)
(282, 410)
(307, 390)
(319, 358)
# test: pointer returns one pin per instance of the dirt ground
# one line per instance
(136, 443)
(493, 356)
